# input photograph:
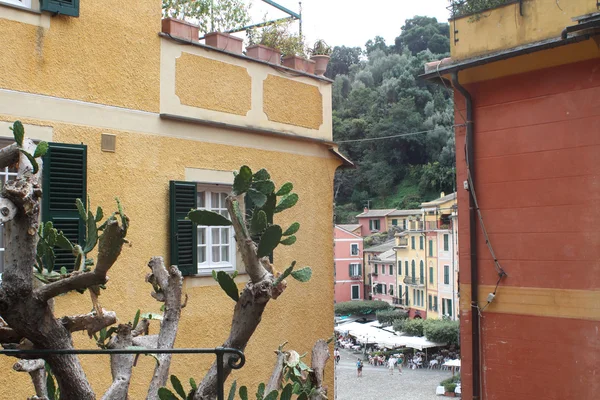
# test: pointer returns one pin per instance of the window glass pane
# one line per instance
(201, 199)
(215, 235)
(223, 197)
(201, 254)
(216, 256)
(225, 235)
(214, 201)
(201, 235)
(225, 253)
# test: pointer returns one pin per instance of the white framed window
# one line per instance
(20, 3)
(354, 249)
(355, 270)
(355, 292)
(216, 244)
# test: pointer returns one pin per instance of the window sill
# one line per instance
(206, 279)
(24, 15)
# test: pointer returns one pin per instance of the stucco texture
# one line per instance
(293, 103)
(108, 55)
(213, 85)
(139, 173)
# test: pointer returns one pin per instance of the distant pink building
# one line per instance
(373, 221)
(381, 269)
(348, 251)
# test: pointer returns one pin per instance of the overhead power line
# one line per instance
(394, 136)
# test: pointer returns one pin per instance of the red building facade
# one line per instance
(530, 119)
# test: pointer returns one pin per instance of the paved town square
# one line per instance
(378, 384)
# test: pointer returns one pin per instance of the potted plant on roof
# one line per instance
(265, 45)
(294, 56)
(225, 16)
(320, 54)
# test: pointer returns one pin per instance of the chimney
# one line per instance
(366, 209)
(442, 194)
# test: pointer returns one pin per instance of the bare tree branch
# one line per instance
(9, 155)
(169, 284)
(121, 365)
(277, 374)
(90, 322)
(255, 267)
(110, 245)
(320, 355)
(37, 371)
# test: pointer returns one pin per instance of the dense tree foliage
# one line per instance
(365, 307)
(376, 94)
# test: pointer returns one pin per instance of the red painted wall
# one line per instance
(343, 258)
(537, 178)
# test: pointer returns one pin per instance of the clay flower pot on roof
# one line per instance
(299, 63)
(264, 53)
(180, 29)
(224, 41)
(320, 55)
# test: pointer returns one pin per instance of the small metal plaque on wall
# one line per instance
(109, 142)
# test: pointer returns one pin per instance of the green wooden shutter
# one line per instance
(431, 275)
(375, 269)
(64, 179)
(349, 269)
(184, 235)
(359, 270)
(429, 302)
(421, 273)
(63, 7)
(431, 248)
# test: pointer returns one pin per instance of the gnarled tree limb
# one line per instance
(277, 374)
(320, 355)
(9, 155)
(121, 365)
(37, 371)
(90, 322)
(110, 245)
(169, 283)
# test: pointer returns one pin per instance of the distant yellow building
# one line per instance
(138, 110)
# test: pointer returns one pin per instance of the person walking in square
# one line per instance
(399, 364)
(391, 364)
(359, 367)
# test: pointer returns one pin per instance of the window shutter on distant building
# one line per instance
(184, 242)
(62, 7)
(64, 179)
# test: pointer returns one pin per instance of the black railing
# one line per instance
(234, 362)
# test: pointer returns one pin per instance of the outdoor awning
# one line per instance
(421, 343)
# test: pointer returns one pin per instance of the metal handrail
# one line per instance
(234, 362)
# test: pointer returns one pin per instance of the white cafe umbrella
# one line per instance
(452, 363)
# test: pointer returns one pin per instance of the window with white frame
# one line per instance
(355, 292)
(20, 3)
(216, 245)
(354, 249)
(355, 270)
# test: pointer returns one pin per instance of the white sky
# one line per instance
(353, 22)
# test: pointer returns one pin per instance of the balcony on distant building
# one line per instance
(356, 277)
(413, 281)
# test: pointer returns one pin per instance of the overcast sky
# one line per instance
(353, 22)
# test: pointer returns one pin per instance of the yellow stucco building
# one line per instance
(145, 109)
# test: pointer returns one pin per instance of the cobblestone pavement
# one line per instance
(378, 384)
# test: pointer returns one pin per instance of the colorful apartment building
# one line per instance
(383, 272)
(348, 259)
(373, 221)
(372, 261)
(526, 80)
(137, 109)
(442, 264)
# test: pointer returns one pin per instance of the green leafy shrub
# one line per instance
(414, 327)
(442, 331)
(398, 324)
(388, 317)
(450, 387)
(361, 307)
(454, 379)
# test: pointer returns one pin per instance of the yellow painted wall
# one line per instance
(139, 173)
(109, 55)
(292, 102)
(213, 85)
(503, 28)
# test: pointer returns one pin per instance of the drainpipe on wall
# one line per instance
(470, 152)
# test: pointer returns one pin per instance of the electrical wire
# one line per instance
(393, 136)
